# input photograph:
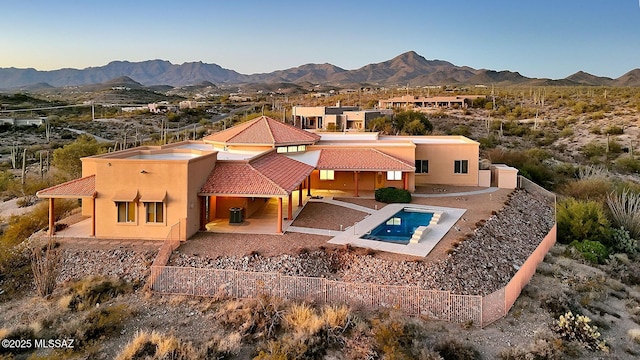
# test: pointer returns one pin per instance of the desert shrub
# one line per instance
(258, 318)
(625, 210)
(627, 165)
(580, 220)
(222, 347)
(45, 265)
(593, 251)
(614, 130)
(541, 349)
(621, 241)
(566, 132)
(622, 268)
(86, 293)
(97, 323)
(577, 328)
(593, 149)
(462, 130)
(304, 319)
(391, 337)
(591, 188)
(452, 349)
(392, 195)
(152, 346)
(489, 142)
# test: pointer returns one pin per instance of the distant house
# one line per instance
(24, 122)
(410, 101)
(340, 118)
(148, 191)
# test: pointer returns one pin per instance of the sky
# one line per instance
(544, 38)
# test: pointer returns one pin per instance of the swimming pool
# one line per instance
(400, 227)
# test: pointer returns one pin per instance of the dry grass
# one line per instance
(304, 319)
(634, 335)
(151, 346)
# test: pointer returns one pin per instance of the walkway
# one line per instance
(466, 193)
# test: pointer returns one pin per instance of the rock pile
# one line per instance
(129, 264)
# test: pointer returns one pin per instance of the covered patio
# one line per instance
(82, 188)
(261, 188)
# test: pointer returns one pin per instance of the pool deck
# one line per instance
(351, 235)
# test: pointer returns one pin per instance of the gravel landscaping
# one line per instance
(481, 264)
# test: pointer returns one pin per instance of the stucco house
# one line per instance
(147, 191)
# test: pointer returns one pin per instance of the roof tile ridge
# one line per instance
(268, 179)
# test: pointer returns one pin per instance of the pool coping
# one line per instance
(351, 235)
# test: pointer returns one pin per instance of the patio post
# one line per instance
(290, 207)
(93, 214)
(300, 195)
(405, 182)
(279, 229)
(203, 212)
(356, 173)
(309, 185)
(52, 216)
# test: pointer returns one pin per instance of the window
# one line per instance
(394, 175)
(126, 211)
(422, 166)
(291, 148)
(461, 167)
(155, 212)
(326, 175)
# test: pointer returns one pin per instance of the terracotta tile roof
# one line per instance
(264, 131)
(272, 175)
(82, 187)
(358, 159)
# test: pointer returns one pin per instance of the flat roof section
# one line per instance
(431, 139)
(165, 156)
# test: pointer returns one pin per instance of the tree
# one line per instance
(68, 157)
(402, 121)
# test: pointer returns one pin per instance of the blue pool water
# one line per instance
(400, 227)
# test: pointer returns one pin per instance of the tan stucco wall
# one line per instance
(441, 163)
(181, 179)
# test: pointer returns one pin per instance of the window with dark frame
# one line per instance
(461, 167)
(422, 166)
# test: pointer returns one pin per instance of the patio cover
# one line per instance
(358, 159)
(267, 176)
(77, 188)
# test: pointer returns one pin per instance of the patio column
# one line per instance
(355, 173)
(309, 185)
(93, 215)
(203, 212)
(52, 216)
(405, 180)
(300, 195)
(290, 207)
(279, 228)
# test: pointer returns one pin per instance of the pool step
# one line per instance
(436, 218)
(419, 234)
(422, 231)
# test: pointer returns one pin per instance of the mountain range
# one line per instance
(407, 68)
